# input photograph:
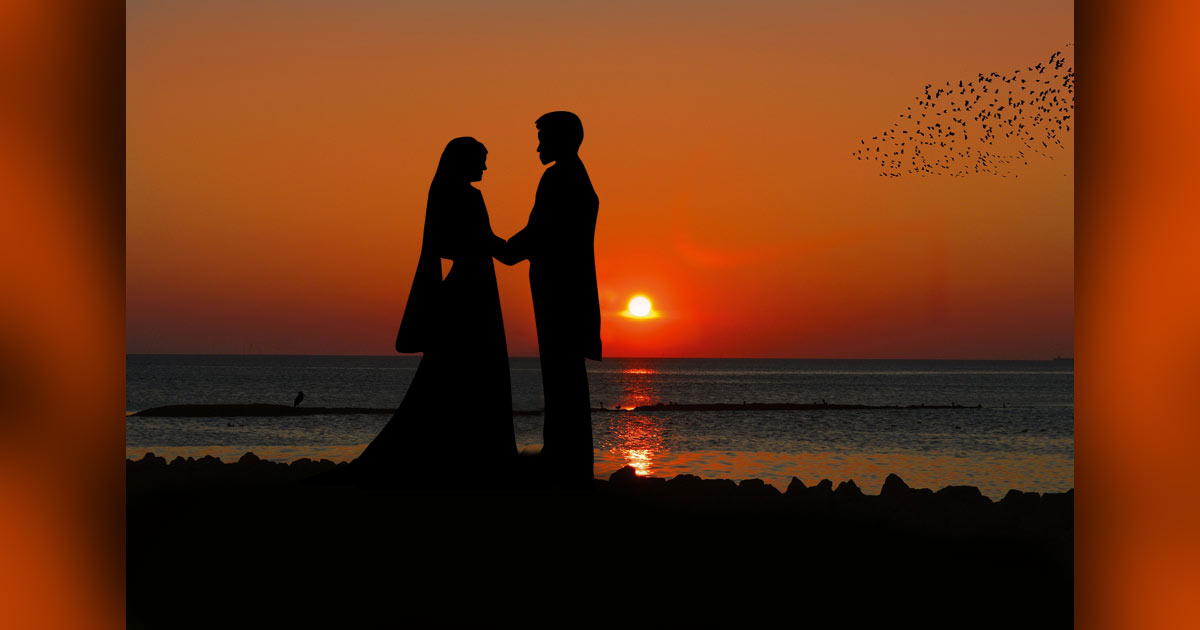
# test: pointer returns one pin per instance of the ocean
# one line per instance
(1013, 427)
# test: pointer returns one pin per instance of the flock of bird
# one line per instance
(992, 124)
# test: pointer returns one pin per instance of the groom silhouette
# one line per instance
(558, 242)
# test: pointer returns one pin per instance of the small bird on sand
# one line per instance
(299, 397)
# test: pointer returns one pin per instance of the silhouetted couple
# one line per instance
(456, 420)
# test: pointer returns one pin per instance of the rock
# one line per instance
(796, 488)
(325, 464)
(824, 488)
(685, 485)
(624, 476)
(303, 467)
(150, 459)
(685, 480)
(894, 488)
(1018, 498)
(719, 487)
(966, 496)
(209, 462)
(1020, 505)
(848, 490)
(757, 489)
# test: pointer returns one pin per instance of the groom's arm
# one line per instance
(518, 247)
(495, 244)
(524, 244)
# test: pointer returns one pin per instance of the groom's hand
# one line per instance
(515, 248)
(501, 252)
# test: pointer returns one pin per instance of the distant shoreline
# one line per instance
(251, 410)
(535, 357)
(268, 410)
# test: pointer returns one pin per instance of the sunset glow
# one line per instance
(279, 160)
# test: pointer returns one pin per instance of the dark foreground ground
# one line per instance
(250, 544)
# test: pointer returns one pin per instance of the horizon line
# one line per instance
(759, 358)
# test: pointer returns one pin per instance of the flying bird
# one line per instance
(1035, 117)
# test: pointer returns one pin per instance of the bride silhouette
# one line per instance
(459, 404)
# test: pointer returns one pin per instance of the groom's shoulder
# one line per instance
(569, 172)
(556, 177)
(566, 182)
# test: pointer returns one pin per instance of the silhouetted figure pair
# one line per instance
(457, 413)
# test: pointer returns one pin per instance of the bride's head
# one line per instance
(463, 160)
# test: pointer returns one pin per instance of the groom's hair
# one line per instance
(565, 127)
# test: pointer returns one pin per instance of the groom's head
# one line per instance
(559, 136)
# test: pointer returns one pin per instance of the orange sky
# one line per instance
(278, 159)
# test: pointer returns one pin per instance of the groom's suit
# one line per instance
(558, 241)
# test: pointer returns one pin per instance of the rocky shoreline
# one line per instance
(952, 506)
(673, 551)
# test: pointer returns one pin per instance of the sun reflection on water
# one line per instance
(636, 439)
(638, 442)
(641, 460)
(639, 387)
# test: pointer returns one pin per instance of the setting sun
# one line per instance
(640, 308)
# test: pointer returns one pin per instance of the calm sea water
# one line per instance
(1022, 438)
